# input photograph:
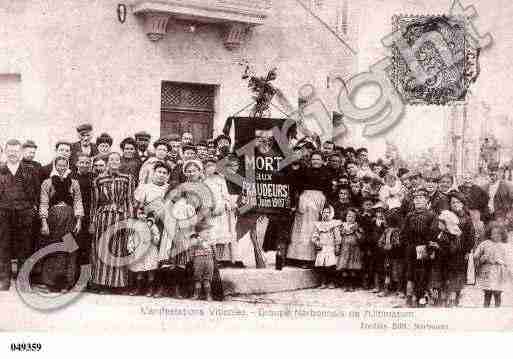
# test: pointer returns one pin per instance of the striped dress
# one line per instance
(112, 203)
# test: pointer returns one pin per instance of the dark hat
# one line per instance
(412, 174)
(210, 159)
(232, 157)
(458, 195)
(13, 142)
(402, 171)
(221, 137)
(370, 198)
(142, 135)
(306, 142)
(172, 138)
(188, 147)
(493, 166)
(104, 138)
(361, 150)
(160, 142)
(127, 141)
(432, 175)
(421, 192)
(29, 144)
(380, 206)
(350, 150)
(333, 154)
(379, 162)
(85, 127)
(202, 226)
(211, 141)
(159, 164)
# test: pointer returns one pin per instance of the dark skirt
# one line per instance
(457, 275)
(110, 274)
(59, 269)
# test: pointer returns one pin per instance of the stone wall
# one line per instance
(78, 63)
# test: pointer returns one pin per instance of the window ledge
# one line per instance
(238, 16)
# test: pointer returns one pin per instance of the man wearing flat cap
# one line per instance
(411, 180)
(84, 144)
(142, 139)
(223, 145)
(437, 201)
(417, 231)
(29, 153)
(500, 200)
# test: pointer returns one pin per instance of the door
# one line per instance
(178, 122)
(187, 108)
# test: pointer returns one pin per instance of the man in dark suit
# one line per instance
(500, 195)
(62, 148)
(84, 145)
(477, 199)
(19, 198)
(142, 140)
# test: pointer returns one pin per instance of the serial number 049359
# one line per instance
(26, 347)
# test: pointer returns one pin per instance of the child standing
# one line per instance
(326, 238)
(343, 201)
(393, 255)
(143, 246)
(438, 250)
(368, 245)
(379, 225)
(490, 259)
(203, 262)
(416, 232)
(350, 259)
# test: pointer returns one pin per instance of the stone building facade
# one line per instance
(159, 66)
(167, 66)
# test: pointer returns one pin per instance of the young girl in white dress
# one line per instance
(326, 239)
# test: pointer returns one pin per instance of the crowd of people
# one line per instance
(360, 225)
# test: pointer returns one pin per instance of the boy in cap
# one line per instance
(84, 144)
(189, 152)
(437, 201)
(223, 145)
(142, 140)
(203, 261)
(104, 144)
(211, 147)
(202, 150)
(187, 138)
(29, 153)
(418, 230)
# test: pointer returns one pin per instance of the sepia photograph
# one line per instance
(255, 165)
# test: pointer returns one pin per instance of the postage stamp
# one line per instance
(435, 60)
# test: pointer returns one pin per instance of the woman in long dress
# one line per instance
(314, 187)
(459, 250)
(222, 220)
(61, 213)
(149, 196)
(189, 204)
(112, 203)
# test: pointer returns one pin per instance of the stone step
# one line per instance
(266, 280)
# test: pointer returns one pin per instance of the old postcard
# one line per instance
(341, 165)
